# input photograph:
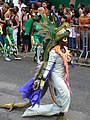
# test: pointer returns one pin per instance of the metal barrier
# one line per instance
(82, 40)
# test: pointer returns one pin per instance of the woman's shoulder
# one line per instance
(53, 53)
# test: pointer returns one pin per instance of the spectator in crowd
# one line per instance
(21, 5)
(63, 19)
(15, 21)
(67, 14)
(9, 11)
(22, 30)
(74, 17)
(3, 16)
(1, 36)
(2, 23)
(31, 12)
(85, 21)
(1, 3)
(34, 8)
(53, 8)
(80, 8)
(44, 5)
(3, 11)
(72, 9)
(51, 14)
(61, 10)
(72, 35)
(16, 11)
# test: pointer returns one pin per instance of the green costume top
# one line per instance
(28, 23)
(10, 30)
(9, 38)
(37, 37)
(28, 26)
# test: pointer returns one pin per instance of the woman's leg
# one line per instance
(27, 48)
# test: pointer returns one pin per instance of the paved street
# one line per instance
(15, 73)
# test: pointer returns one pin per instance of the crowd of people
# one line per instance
(17, 17)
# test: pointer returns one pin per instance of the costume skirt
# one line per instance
(63, 98)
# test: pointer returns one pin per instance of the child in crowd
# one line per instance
(72, 36)
(63, 19)
(10, 47)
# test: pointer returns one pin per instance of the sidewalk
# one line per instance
(26, 55)
(81, 61)
(76, 61)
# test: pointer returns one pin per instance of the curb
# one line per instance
(76, 61)
(26, 55)
(81, 62)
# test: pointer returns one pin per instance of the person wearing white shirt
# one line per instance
(20, 6)
(72, 36)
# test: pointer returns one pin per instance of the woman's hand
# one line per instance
(36, 84)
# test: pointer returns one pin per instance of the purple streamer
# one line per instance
(28, 91)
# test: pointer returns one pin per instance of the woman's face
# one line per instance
(14, 8)
(32, 6)
(53, 7)
(44, 5)
(73, 13)
(71, 22)
(23, 12)
(63, 43)
(83, 10)
(62, 20)
(61, 7)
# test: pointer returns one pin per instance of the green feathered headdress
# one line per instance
(51, 32)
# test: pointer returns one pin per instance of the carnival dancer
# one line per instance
(37, 44)
(10, 47)
(56, 68)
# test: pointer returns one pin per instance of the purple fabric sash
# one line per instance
(28, 91)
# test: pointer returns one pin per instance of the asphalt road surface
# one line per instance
(15, 73)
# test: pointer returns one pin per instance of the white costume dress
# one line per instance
(58, 82)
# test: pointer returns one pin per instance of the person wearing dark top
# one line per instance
(61, 10)
(15, 21)
(73, 10)
(2, 18)
(49, 4)
(3, 24)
